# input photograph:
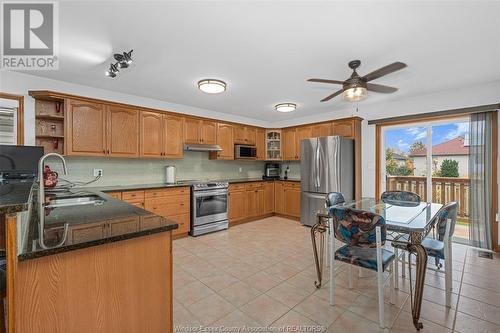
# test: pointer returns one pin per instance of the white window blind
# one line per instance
(7, 128)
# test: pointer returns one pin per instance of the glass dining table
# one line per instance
(413, 219)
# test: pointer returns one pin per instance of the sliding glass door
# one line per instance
(430, 159)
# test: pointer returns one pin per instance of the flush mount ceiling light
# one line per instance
(212, 86)
(122, 61)
(285, 107)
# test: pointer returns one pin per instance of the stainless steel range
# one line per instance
(208, 207)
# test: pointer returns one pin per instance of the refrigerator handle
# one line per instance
(317, 166)
(320, 152)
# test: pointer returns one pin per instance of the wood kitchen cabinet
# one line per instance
(344, 128)
(260, 144)
(123, 132)
(236, 202)
(200, 131)
(225, 140)
(279, 206)
(161, 135)
(124, 226)
(322, 129)
(304, 132)
(245, 135)
(173, 127)
(85, 128)
(268, 198)
(287, 198)
(288, 146)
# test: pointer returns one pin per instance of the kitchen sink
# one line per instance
(78, 200)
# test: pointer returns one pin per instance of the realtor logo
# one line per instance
(30, 36)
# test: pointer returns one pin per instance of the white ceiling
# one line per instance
(265, 51)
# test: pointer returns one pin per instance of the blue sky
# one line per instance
(401, 139)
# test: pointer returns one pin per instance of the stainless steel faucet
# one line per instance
(41, 200)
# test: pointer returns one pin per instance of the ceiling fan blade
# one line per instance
(380, 88)
(396, 66)
(329, 97)
(326, 81)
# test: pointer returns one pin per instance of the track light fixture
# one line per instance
(122, 61)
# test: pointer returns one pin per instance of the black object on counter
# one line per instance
(19, 162)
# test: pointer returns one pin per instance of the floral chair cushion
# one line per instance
(357, 228)
(334, 198)
(434, 247)
(401, 198)
(363, 257)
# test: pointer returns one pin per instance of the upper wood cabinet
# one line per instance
(260, 144)
(161, 135)
(85, 128)
(344, 128)
(226, 141)
(123, 132)
(151, 143)
(322, 129)
(245, 135)
(173, 130)
(200, 131)
(304, 132)
(288, 144)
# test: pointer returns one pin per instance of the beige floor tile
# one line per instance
(482, 281)
(287, 294)
(239, 293)
(349, 322)
(433, 312)
(183, 318)
(264, 309)
(293, 321)
(259, 260)
(367, 307)
(469, 324)
(479, 310)
(438, 296)
(343, 296)
(404, 324)
(319, 310)
(210, 309)
(200, 269)
(192, 293)
(262, 281)
(480, 294)
(219, 281)
(304, 282)
(282, 271)
(241, 270)
(182, 278)
(237, 319)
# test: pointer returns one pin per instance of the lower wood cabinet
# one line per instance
(236, 202)
(287, 198)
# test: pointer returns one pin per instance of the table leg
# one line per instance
(421, 266)
(318, 259)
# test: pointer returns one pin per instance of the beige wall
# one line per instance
(463, 164)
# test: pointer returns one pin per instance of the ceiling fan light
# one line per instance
(212, 86)
(355, 94)
(285, 107)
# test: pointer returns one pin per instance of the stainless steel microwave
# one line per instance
(245, 152)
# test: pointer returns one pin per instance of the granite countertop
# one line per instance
(88, 225)
(119, 188)
(14, 195)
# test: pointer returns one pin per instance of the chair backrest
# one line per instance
(357, 227)
(334, 198)
(401, 198)
(448, 212)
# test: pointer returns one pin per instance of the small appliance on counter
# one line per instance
(170, 174)
(19, 162)
(271, 171)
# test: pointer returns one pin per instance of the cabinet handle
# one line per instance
(108, 151)
(104, 151)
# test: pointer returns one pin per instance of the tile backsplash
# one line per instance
(122, 171)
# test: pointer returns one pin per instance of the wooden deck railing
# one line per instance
(444, 189)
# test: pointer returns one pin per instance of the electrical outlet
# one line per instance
(240, 169)
(97, 172)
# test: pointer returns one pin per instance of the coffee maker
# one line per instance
(272, 171)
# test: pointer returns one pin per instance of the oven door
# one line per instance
(209, 206)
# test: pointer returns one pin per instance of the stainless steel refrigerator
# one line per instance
(326, 165)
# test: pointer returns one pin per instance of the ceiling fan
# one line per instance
(356, 87)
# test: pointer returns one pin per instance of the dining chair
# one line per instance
(334, 198)
(439, 248)
(364, 234)
(400, 198)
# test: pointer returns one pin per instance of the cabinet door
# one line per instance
(192, 130)
(184, 222)
(173, 145)
(209, 132)
(124, 226)
(123, 132)
(260, 144)
(302, 133)
(260, 196)
(279, 206)
(343, 128)
(250, 136)
(85, 128)
(268, 197)
(320, 130)
(151, 132)
(86, 232)
(288, 146)
(250, 203)
(225, 141)
(236, 206)
(292, 202)
(239, 134)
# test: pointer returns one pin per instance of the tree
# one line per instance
(393, 168)
(449, 168)
(417, 146)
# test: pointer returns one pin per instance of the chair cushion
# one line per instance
(363, 257)
(434, 247)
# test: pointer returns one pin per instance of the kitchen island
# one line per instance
(101, 266)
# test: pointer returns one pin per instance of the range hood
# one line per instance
(201, 147)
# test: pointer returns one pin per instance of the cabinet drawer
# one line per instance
(184, 222)
(168, 206)
(151, 222)
(86, 232)
(124, 226)
(236, 187)
(163, 192)
(292, 185)
(116, 195)
(133, 195)
(253, 185)
(137, 203)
